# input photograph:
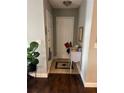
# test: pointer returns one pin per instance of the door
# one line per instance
(64, 33)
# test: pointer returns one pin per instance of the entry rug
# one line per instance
(63, 65)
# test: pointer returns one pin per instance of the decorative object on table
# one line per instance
(80, 34)
(74, 49)
(32, 55)
(68, 46)
(68, 50)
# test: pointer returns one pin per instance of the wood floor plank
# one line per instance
(58, 83)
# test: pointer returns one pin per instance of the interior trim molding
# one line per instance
(88, 84)
(49, 64)
(82, 78)
(40, 75)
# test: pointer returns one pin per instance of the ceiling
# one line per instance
(59, 4)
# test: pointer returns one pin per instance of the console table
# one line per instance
(75, 56)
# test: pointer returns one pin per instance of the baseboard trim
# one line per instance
(82, 79)
(49, 65)
(88, 84)
(39, 75)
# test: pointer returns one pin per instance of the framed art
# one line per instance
(80, 34)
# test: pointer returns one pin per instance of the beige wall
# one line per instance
(48, 27)
(36, 30)
(92, 58)
(88, 65)
(81, 23)
(86, 38)
(81, 18)
(47, 5)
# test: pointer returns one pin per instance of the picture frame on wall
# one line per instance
(80, 34)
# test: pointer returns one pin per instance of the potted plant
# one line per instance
(32, 55)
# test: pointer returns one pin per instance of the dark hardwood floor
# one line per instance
(58, 83)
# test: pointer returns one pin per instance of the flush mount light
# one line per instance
(67, 3)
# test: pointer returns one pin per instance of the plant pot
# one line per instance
(32, 68)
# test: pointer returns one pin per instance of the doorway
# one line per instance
(64, 33)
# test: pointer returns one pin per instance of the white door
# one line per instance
(64, 33)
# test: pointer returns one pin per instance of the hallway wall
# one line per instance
(48, 12)
(81, 17)
(87, 65)
(65, 13)
(92, 58)
(36, 30)
(81, 23)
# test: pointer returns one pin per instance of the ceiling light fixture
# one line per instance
(67, 3)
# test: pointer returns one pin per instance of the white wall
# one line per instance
(36, 30)
(82, 9)
(81, 23)
(49, 37)
(85, 19)
(92, 62)
(49, 30)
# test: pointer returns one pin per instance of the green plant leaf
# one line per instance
(36, 54)
(31, 54)
(34, 46)
(35, 62)
(29, 50)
